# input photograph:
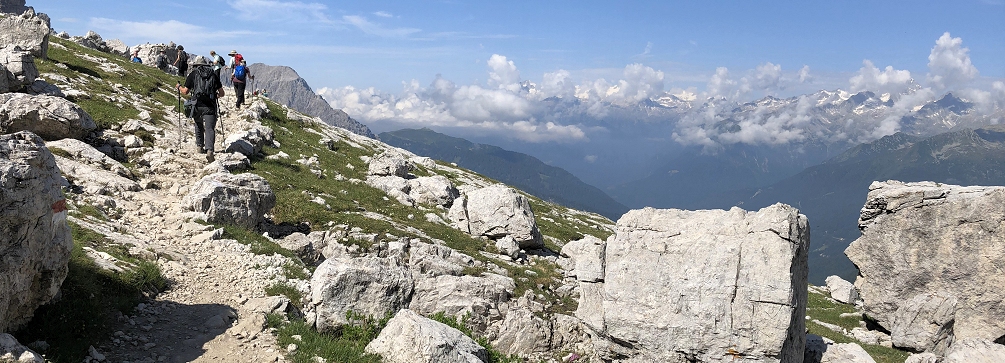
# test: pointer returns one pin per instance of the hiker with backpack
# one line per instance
(235, 59)
(205, 88)
(240, 78)
(217, 61)
(162, 61)
(181, 61)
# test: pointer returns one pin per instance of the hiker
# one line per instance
(240, 77)
(136, 57)
(206, 88)
(162, 61)
(218, 62)
(265, 92)
(181, 61)
(235, 59)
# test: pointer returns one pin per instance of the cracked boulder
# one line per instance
(17, 69)
(495, 212)
(27, 30)
(412, 338)
(705, 286)
(52, 118)
(366, 286)
(241, 200)
(930, 262)
(35, 241)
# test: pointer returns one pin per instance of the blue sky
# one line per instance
(382, 43)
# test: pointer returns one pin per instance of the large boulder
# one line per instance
(249, 142)
(587, 255)
(935, 244)
(17, 69)
(458, 296)
(523, 333)
(841, 290)
(241, 199)
(435, 190)
(28, 30)
(975, 351)
(389, 164)
(412, 338)
(34, 238)
(498, 211)
(13, 352)
(52, 118)
(705, 286)
(366, 286)
(148, 52)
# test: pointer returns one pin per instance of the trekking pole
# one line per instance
(177, 92)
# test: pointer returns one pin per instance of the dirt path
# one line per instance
(208, 314)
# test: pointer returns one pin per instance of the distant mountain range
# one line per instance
(286, 87)
(832, 194)
(519, 170)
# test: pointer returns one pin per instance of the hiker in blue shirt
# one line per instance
(240, 77)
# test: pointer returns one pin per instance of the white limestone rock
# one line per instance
(497, 211)
(922, 358)
(52, 118)
(17, 68)
(249, 142)
(86, 154)
(846, 353)
(27, 30)
(435, 190)
(364, 285)
(587, 255)
(389, 164)
(841, 290)
(412, 338)
(523, 333)
(458, 296)
(910, 247)
(241, 199)
(12, 351)
(703, 285)
(34, 236)
(973, 350)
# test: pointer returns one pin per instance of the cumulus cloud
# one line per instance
(889, 80)
(804, 75)
(949, 63)
(590, 158)
(379, 30)
(768, 76)
(722, 86)
(503, 73)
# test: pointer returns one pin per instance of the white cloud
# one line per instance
(768, 76)
(804, 75)
(279, 10)
(503, 73)
(371, 28)
(720, 85)
(870, 78)
(949, 63)
(590, 158)
(163, 31)
(384, 14)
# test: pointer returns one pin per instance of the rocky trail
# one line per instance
(215, 298)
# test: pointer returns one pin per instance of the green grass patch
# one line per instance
(294, 271)
(290, 291)
(820, 308)
(494, 355)
(60, 152)
(90, 298)
(91, 211)
(344, 346)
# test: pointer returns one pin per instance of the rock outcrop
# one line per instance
(495, 212)
(148, 53)
(841, 290)
(412, 338)
(249, 142)
(390, 172)
(930, 259)
(367, 286)
(12, 351)
(241, 199)
(975, 351)
(27, 30)
(34, 236)
(17, 69)
(705, 286)
(52, 118)
(587, 255)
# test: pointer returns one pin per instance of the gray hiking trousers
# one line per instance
(205, 127)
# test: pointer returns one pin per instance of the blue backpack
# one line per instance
(240, 72)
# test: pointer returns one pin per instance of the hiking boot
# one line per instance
(209, 156)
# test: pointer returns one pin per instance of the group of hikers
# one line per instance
(204, 86)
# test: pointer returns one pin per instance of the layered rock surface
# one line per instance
(241, 199)
(52, 118)
(35, 240)
(412, 338)
(930, 259)
(28, 30)
(495, 212)
(706, 286)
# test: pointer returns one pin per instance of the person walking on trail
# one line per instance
(181, 61)
(205, 88)
(240, 78)
(217, 61)
(136, 57)
(162, 61)
(235, 59)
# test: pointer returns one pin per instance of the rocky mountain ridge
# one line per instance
(306, 242)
